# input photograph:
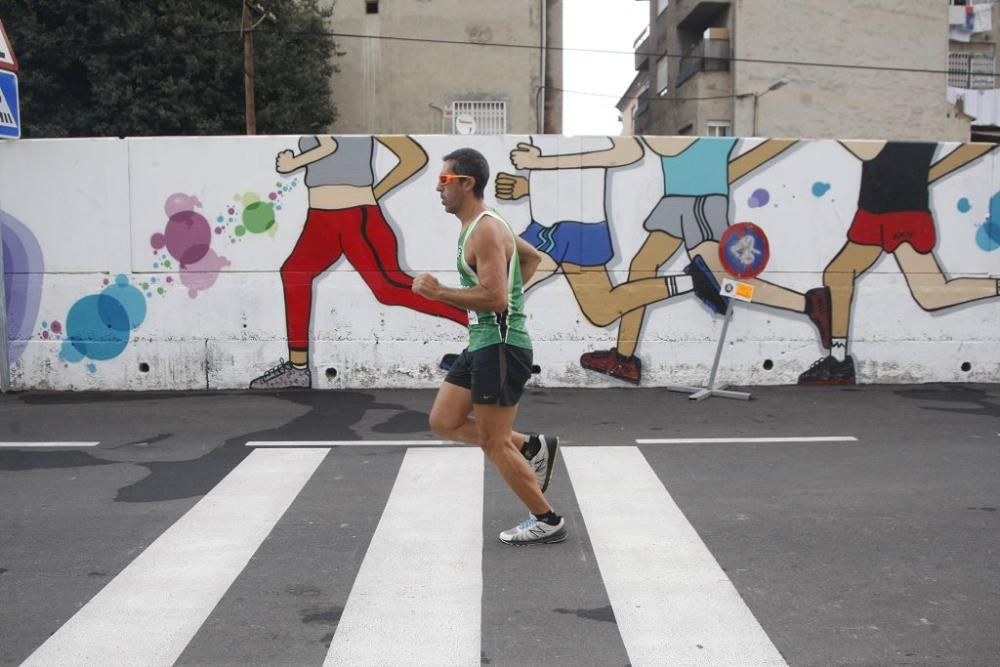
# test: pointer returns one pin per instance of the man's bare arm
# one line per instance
(528, 257)
(485, 248)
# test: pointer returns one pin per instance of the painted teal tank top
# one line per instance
(701, 169)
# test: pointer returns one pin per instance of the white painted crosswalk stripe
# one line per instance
(673, 603)
(350, 443)
(148, 613)
(417, 599)
(710, 441)
(56, 444)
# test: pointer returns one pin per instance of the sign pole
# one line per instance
(743, 252)
(701, 393)
(4, 363)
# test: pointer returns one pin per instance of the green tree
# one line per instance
(168, 67)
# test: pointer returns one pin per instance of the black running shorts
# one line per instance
(495, 374)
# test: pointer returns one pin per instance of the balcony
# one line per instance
(641, 46)
(708, 55)
(701, 15)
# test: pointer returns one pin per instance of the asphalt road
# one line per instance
(883, 549)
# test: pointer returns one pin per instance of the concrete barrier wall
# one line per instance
(156, 263)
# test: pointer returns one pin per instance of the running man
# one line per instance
(344, 219)
(489, 376)
(893, 216)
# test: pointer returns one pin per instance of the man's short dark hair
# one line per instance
(470, 162)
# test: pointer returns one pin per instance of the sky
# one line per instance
(598, 79)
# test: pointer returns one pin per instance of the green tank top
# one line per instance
(488, 328)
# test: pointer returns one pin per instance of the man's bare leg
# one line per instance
(495, 438)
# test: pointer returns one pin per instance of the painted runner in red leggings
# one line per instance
(344, 219)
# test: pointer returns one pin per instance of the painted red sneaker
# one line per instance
(611, 363)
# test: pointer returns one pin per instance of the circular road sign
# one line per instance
(743, 250)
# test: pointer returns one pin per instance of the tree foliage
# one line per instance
(168, 67)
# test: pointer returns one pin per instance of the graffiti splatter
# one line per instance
(258, 214)
(187, 239)
(23, 270)
(963, 205)
(760, 197)
(988, 234)
(98, 325)
(820, 188)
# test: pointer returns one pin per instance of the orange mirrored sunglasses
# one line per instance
(445, 179)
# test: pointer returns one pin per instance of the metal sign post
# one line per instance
(4, 364)
(743, 251)
(700, 393)
(10, 128)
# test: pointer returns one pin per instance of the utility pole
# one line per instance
(247, 26)
(251, 111)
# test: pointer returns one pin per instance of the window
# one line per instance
(371, 7)
(971, 70)
(661, 76)
(718, 128)
(485, 117)
(661, 5)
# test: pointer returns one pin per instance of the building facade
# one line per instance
(862, 69)
(448, 66)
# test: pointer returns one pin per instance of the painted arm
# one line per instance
(756, 156)
(485, 249)
(957, 159)
(623, 151)
(287, 161)
(412, 159)
(510, 186)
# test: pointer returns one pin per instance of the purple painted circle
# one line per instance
(188, 236)
(744, 250)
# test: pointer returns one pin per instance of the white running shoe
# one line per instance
(533, 531)
(544, 461)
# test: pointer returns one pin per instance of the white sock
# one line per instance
(679, 284)
(839, 349)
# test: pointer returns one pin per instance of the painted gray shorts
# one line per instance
(694, 219)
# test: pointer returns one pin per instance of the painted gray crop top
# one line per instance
(350, 164)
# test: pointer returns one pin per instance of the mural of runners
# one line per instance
(695, 210)
(344, 219)
(893, 216)
(570, 226)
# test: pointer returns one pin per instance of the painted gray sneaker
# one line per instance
(533, 531)
(283, 376)
(544, 461)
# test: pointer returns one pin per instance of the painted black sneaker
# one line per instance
(829, 370)
(706, 287)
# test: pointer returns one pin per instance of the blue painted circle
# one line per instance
(97, 326)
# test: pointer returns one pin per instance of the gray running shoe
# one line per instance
(544, 462)
(533, 531)
(283, 376)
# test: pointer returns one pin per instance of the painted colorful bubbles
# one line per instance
(98, 325)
